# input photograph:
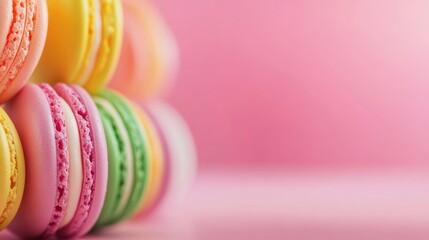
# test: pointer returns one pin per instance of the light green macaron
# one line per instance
(128, 157)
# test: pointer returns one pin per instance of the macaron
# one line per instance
(23, 27)
(179, 153)
(83, 43)
(148, 207)
(12, 170)
(149, 57)
(128, 157)
(156, 165)
(66, 161)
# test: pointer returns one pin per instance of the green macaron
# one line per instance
(128, 157)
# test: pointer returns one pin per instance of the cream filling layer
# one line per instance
(128, 152)
(75, 164)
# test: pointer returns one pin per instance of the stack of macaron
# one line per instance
(78, 155)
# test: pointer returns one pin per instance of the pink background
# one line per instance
(303, 83)
(312, 87)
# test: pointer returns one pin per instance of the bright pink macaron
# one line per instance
(66, 161)
(23, 29)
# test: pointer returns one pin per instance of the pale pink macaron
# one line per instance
(66, 161)
(179, 152)
(166, 170)
(23, 29)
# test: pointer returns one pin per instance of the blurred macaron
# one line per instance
(149, 59)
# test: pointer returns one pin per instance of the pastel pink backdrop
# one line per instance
(303, 83)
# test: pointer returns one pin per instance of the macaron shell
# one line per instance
(6, 14)
(65, 50)
(97, 165)
(111, 42)
(17, 174)
(101, 160)
(28, 109)
(36, 47)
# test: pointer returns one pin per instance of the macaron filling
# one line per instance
(19, 40)
(127, 165)
(81, 114)
(14, 170)
(62, 155)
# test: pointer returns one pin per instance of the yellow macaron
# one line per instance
(83, 43)
(12, 170)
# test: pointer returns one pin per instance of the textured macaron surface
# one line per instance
(14, 38)
(88, 156)
(26, 22)
(18, 41)
(62, 155)
(94, 159)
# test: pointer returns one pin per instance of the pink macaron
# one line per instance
(66, 161)
(179, 152)
(23, 29)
